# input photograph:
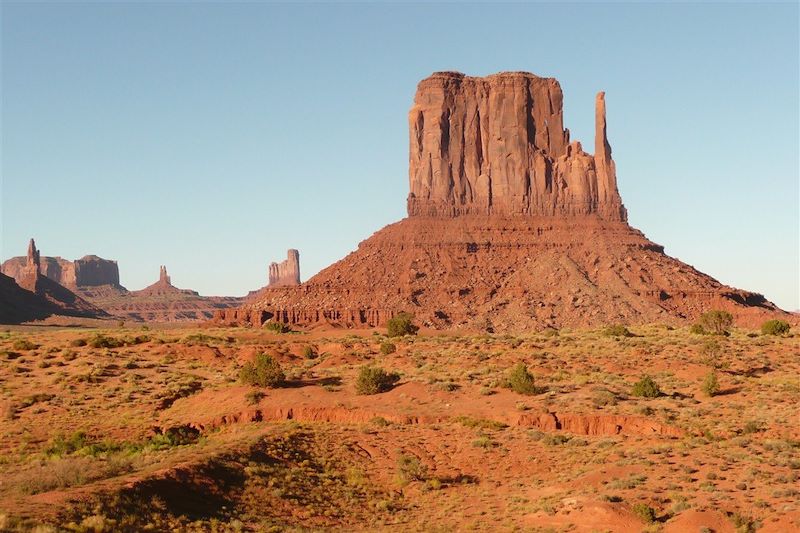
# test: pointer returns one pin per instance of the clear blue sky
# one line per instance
(213, 137)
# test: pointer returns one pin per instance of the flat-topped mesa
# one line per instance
(286, 273)
(497, 145)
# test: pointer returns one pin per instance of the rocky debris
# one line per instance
(286, 273)
(511, 226)
(497, 145)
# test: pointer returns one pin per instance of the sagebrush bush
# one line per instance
(775, 327)
(645, 512)
(309, 352)
(264, 371)
(520, 380)
(711, 384)
(697, 329)
(646, 387)
(24, 344)
(277, 327)
(716, 322)
(401, 325)
(387, 348)
(104, 341)
(374, 380)
(409, 468)
(617, 330)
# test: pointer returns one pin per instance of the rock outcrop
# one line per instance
(511, 226)
(51, 298)
(497, 146)
(86, 272)
(286, 273)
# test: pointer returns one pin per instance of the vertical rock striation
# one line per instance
(497, 146)
(286, 273)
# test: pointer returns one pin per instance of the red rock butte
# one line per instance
(511, 226)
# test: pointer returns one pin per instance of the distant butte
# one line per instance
(511, 225)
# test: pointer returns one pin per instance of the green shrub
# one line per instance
(374, 380)
(617, 330)
(697, 329)
(309, 352)
(711, 384)
(520, 380)
(277, 327)
(401, 325)
(716, 322)
(387, 348)
(646, 387)
(254, 396)
(775, 327)
(24, 344)
(645, 512)
(264, 371)
(409, 468)
(77, 343)
(103, 341)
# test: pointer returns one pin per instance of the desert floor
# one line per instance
(148, 428)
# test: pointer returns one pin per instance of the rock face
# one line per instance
(88, 271)
(511, 226)
(286, 273)
(162, 302)
(497, 146)
(49, 297)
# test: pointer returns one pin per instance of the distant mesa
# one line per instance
(88, 271)
(89, 287)
(286, 273)
(511, 225)
(30, 295)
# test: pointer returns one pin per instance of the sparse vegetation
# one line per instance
(400, 325)
(24, 345)
(409, 468)
(374, 380)
(775, 327)
(716, 322)
(521, 381)
(264, 371)
(617, 330)
(388, 348)
(277, 327)
(711, 384)
(645, 512)
(646, 388)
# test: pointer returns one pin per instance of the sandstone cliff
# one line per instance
(497, 145)
(88, 271)
(511, 226)
(286, 273)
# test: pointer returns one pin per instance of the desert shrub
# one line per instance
(646, 387)
(308, 352)
(254, 396)
(716, 322)
(24, 344)
(374, 380)
(264, 371)
(174, 436)
(775, 327)
(104, 341)
(697, 329)
(520, 380)
(409, 468)
(75, 343)
(617, 330)
(645, 512)
(479, 423)
(277, 327)
(603, 398)
(387, 348)
(401, 325)
(63, 445)
(710, 384)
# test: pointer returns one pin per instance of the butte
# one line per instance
(511, 226)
